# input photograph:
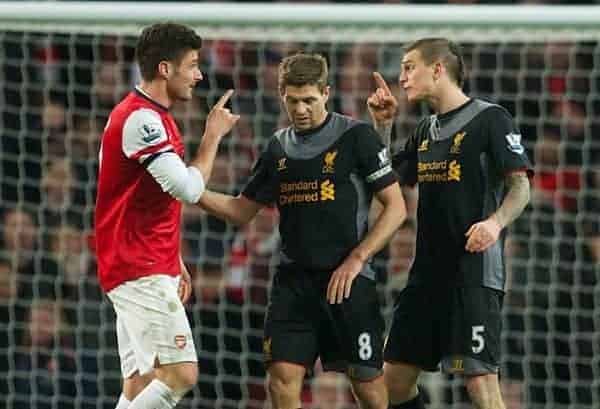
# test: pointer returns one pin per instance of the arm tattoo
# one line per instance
(515, 200)
(385, 133)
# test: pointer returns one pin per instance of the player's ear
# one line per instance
(326, 91)
(438, 68)
(164, 69)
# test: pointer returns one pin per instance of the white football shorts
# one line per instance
(151, 324)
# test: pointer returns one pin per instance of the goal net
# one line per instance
(63, 66)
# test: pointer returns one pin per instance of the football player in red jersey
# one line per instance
(141, 184)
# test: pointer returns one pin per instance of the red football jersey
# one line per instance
(137, 224)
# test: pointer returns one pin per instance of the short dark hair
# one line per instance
(303, 69)
(164, 42)
(444, 50)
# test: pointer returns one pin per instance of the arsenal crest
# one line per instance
(180, 341)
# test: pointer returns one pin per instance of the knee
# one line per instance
(483, 393)
(188, 377)
(372, 395)
(401, 382)
(179, 377)
(283, 386)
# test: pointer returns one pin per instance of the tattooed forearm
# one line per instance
(385, 133)
(515, 200)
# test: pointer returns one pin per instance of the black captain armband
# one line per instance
(406, 168)
(398, 158)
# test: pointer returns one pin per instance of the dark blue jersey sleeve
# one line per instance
(405, 161)
(374, 162)
(262, 187)
(504, 143)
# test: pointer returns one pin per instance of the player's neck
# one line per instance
(448, 99)
(157, 91)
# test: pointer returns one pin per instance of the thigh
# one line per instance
(126, 351)
(290, 333)
(414, 335)
(351, 333)
(287, 373)
(472, 332)
(153, 324)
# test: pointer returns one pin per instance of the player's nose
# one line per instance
(402, 78)
(303, 107)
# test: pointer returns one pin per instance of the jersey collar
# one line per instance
(148, 98)
(455, 110)
(303, 135)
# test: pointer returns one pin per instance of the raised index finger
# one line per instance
(223, 100)
(381, 83)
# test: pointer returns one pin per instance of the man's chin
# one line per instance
(413, 99)
(185, 96)
(302, 127)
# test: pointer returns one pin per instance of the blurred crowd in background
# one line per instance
(57, 339)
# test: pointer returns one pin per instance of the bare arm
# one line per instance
(388, 221)
(484, 234)
(515, 200)
(185, 284)
(384, 129)
(218, 123)
(237, 210)
(382, 107)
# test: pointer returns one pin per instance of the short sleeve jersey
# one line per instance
(459, 160)
(322, 182)
(137, 225)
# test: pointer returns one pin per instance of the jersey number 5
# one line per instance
(477, 337)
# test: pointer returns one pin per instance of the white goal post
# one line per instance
(322, 22)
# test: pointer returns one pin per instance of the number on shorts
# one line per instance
(479, 342)
(365, 351)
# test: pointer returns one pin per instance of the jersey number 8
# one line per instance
(365, 350)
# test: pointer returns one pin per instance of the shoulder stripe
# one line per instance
(152, 157)
(150, 150)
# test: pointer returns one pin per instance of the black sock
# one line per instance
(415, 403)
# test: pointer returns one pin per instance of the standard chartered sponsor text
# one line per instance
(439, 171)
(298, 186)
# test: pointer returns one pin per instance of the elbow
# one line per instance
(527, 195)
(238, 221)
(240, 212)
(401, 215)
(241, 219)
(398, 213)
(188, 188)
(186, 193)
(401, 210)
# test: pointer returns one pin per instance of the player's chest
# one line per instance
(335, 163)
(463, 145)
(449, 159)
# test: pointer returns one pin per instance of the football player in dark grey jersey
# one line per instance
(472, 173)
(321, 173)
